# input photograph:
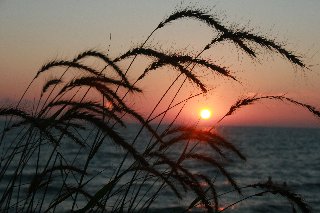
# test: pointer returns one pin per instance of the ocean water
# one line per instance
(287, 155)
(290, 155)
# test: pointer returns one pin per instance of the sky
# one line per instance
(34, 32)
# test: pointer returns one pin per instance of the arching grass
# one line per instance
(61, 121)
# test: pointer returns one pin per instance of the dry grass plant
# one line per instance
(60, 120)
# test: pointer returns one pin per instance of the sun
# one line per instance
(205, 114)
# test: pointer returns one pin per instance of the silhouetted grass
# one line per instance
(251, 100)
(64, 113)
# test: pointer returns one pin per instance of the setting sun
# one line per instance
(205, 114)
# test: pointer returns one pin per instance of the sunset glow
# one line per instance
(205, 114)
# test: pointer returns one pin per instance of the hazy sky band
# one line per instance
(34, 32)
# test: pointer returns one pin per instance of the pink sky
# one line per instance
(34, 33)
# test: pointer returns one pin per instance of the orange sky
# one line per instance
(34, 33)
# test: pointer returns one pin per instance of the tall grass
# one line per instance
(66, 117)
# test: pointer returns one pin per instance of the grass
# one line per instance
(66, 118)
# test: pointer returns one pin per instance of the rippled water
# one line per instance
(290, 155)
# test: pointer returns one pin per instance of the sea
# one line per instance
(285, 156)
